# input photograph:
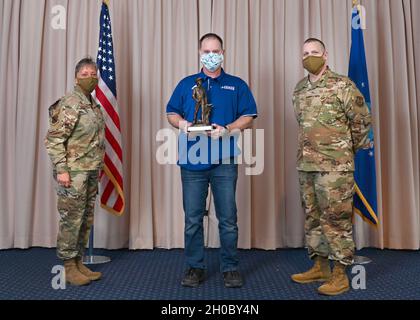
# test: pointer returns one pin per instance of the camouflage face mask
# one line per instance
(314, 64)
(87, 84)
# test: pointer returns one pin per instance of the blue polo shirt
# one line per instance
(231, 99)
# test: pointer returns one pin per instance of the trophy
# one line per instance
(200, 96)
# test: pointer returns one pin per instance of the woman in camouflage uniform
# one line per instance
(76, 145)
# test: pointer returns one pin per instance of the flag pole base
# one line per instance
(361, 260)
(90, 258)
(95, 259)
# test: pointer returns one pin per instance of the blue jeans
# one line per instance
(195, 185)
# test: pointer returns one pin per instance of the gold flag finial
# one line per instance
(107, 2)
(355, 3)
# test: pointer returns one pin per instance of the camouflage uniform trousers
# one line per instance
(76, 206)
(327, 198)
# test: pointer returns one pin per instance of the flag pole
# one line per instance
(90, 258)
(359, 259)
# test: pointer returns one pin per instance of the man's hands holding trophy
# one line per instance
(216, 131)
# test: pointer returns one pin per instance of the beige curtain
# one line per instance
(155, 46)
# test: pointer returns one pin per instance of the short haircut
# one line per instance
(87, 61)
(211, 36)
(315, 40)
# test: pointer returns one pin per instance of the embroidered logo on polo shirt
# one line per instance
(232, 88)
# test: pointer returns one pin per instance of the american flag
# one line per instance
(111, 181)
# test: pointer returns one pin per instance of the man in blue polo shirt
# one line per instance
(209, 159)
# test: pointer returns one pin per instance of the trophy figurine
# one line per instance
(200, 96)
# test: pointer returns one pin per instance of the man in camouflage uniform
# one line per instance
(334, 122)
(76, 145)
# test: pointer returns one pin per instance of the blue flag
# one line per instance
(365, 203)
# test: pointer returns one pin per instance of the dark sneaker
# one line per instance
(233, 279)
(193, 277)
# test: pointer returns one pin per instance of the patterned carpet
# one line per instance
(156, 275)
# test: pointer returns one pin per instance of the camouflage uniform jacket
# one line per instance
(75, 139)
(334, 122)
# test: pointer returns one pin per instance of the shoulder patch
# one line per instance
(53, 111)
(360, 101)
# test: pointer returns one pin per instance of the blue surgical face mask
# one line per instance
(212, 61)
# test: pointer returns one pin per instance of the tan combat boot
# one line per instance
(339, 282)
(319, 272)
(73, 275)
(86, 271)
